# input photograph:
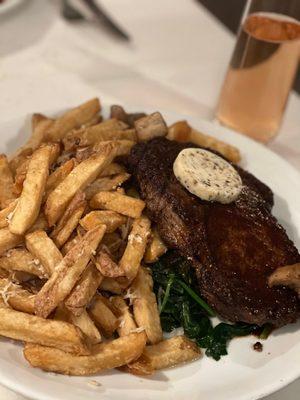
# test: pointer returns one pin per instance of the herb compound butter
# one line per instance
(207, 175)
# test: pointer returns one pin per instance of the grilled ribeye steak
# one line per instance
(233, 247)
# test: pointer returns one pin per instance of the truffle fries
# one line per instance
(111, 219)
(73, 240)
(72, 119)
(29, 203)
(33, 329)
(117, 202)
(136, 246)
(20, 259)
(44, 249)
(67, 272)
(104, 356)
(16, 297)
(80, 177)
(145, 308)
(84, 291)
(6, 183)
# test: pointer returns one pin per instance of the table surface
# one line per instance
(176, 61)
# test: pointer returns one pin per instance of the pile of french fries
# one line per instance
(73, 248)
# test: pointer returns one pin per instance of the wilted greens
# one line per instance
(181, 306)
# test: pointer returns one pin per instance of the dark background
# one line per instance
(229, 12)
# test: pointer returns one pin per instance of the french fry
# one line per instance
(140, 367)
(70, 243)
(171, 352)
(145, 309)
(20, 176)
(104, 356)
(40, 124)
(58, 176)
(17, 297)
(125, 146)
(103, 317)
(69, 220)
(84, 290)
(111, 285)
(136, 246)
(36, 119)
(61, 236)
(111, 219)
(105, 184)
(230, 152)
(112, 169)
(126, 320)
(83, 322)
(166, 354)
(155, 248)
(72, 119)
(91, 136)
(108, 130)
(21, 260)
(78, 179)
(94, 133)
(22, 169)
(55, 151)
(6, 213)
(83, 153)
(30, 328)
(17, 159)
(118, 202)
(8, 240)
(44, 249)
(86, 324)
(93, 121)
(29, 203)
(107, 266)
(67, 272)
(183, 132)
(6, 183)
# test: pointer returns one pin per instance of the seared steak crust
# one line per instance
(233, 247)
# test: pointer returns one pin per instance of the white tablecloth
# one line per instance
(176, 61)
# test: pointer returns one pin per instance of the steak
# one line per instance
(232, 247)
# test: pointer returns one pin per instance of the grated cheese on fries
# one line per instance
(74, 238)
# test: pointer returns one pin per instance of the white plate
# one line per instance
(9, 5)
(243, 375)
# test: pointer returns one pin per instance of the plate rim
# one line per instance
(258, 393)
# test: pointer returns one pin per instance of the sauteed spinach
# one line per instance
(181, 306)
